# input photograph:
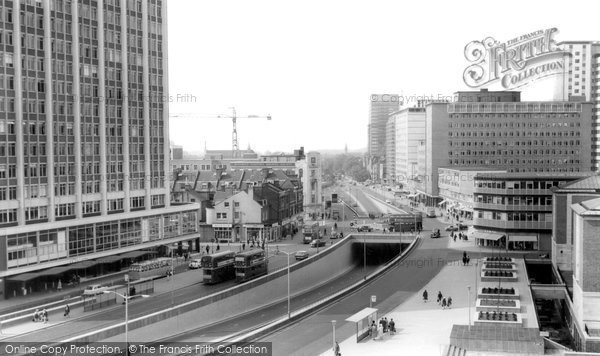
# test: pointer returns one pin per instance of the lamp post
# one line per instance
(333, 339)
(126, 298)
(469, 305)
(289, 312)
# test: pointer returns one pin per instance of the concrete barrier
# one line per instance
(333, 261)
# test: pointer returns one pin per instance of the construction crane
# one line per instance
(235, 147)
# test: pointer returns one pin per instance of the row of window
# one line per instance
(512, 152)
(513, 124)
(513, 216)
(501, 143)
(463, 133)
(514, 200)
(505, 161)
(518, 184)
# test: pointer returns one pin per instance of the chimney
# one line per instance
(251, 191)
(265, 173)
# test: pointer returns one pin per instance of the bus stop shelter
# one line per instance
(363, 320)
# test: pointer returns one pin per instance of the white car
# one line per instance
(301, 255)
(194, 264)
(94, 289)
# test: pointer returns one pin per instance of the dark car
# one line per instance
(317, 243)
(365, 228)
(436, 234)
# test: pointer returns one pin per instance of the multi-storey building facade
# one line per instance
(456, 189)
(380, 107)
(582, 78)
(494, 130)
(310, 172)
(409, 131)
(390, 151)
(514, 210)
(84, 150)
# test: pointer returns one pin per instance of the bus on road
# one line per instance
(218, 267)
(310, 232)
(151, 268)
(250, 264)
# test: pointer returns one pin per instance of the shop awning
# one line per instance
(523, 238)
(412, 195)
(109, 259)
(84, 264)
(24, 277)
(482, 235)
(221, 225)
(55, 271)
(134, 254)
(442, 202)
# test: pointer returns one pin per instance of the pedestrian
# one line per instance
(468, 259)
(464, 259)
(36, 315)
(392, 326)
(207, 249)
(449, 302)
(373, 330)
(45, 315)
(335, 226)
(443, 303)
(425, 294)
(440, 296)
(67, 311)
(337, 349)
(218, 247)
(385, 325)
(243, 246)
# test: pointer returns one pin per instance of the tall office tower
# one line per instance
(84, 135)
(381, 106)
(582, 78)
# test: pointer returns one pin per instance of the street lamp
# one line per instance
(469, 305)
(288, 284)
(126, 298)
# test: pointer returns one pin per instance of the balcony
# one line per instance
(506, 207)
(517, 225)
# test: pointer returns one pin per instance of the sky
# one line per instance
(312, 65)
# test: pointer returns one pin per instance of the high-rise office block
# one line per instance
(84, 134)
(381, 106)
(582, 78)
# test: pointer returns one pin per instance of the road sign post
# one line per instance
(373, 300)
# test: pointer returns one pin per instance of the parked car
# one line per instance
(365, 228)
(94, 289)
(301, 255)
(388, 201)
(317, 243)
(194, 264)
(436, 234)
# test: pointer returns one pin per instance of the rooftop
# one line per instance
(588, 183)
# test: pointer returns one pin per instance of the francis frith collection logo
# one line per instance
(514, 63)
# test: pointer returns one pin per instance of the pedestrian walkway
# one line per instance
(422, 328)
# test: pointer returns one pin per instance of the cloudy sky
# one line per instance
(312, 65)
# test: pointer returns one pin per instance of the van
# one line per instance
(94, 289)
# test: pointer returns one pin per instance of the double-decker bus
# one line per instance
(218, 267)
(405, 222)
(250, 264)
(310, 232)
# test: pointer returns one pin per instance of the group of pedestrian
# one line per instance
(385, 327)
(465, 259)
(458, 235)
(40, 316)
(441, 300)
